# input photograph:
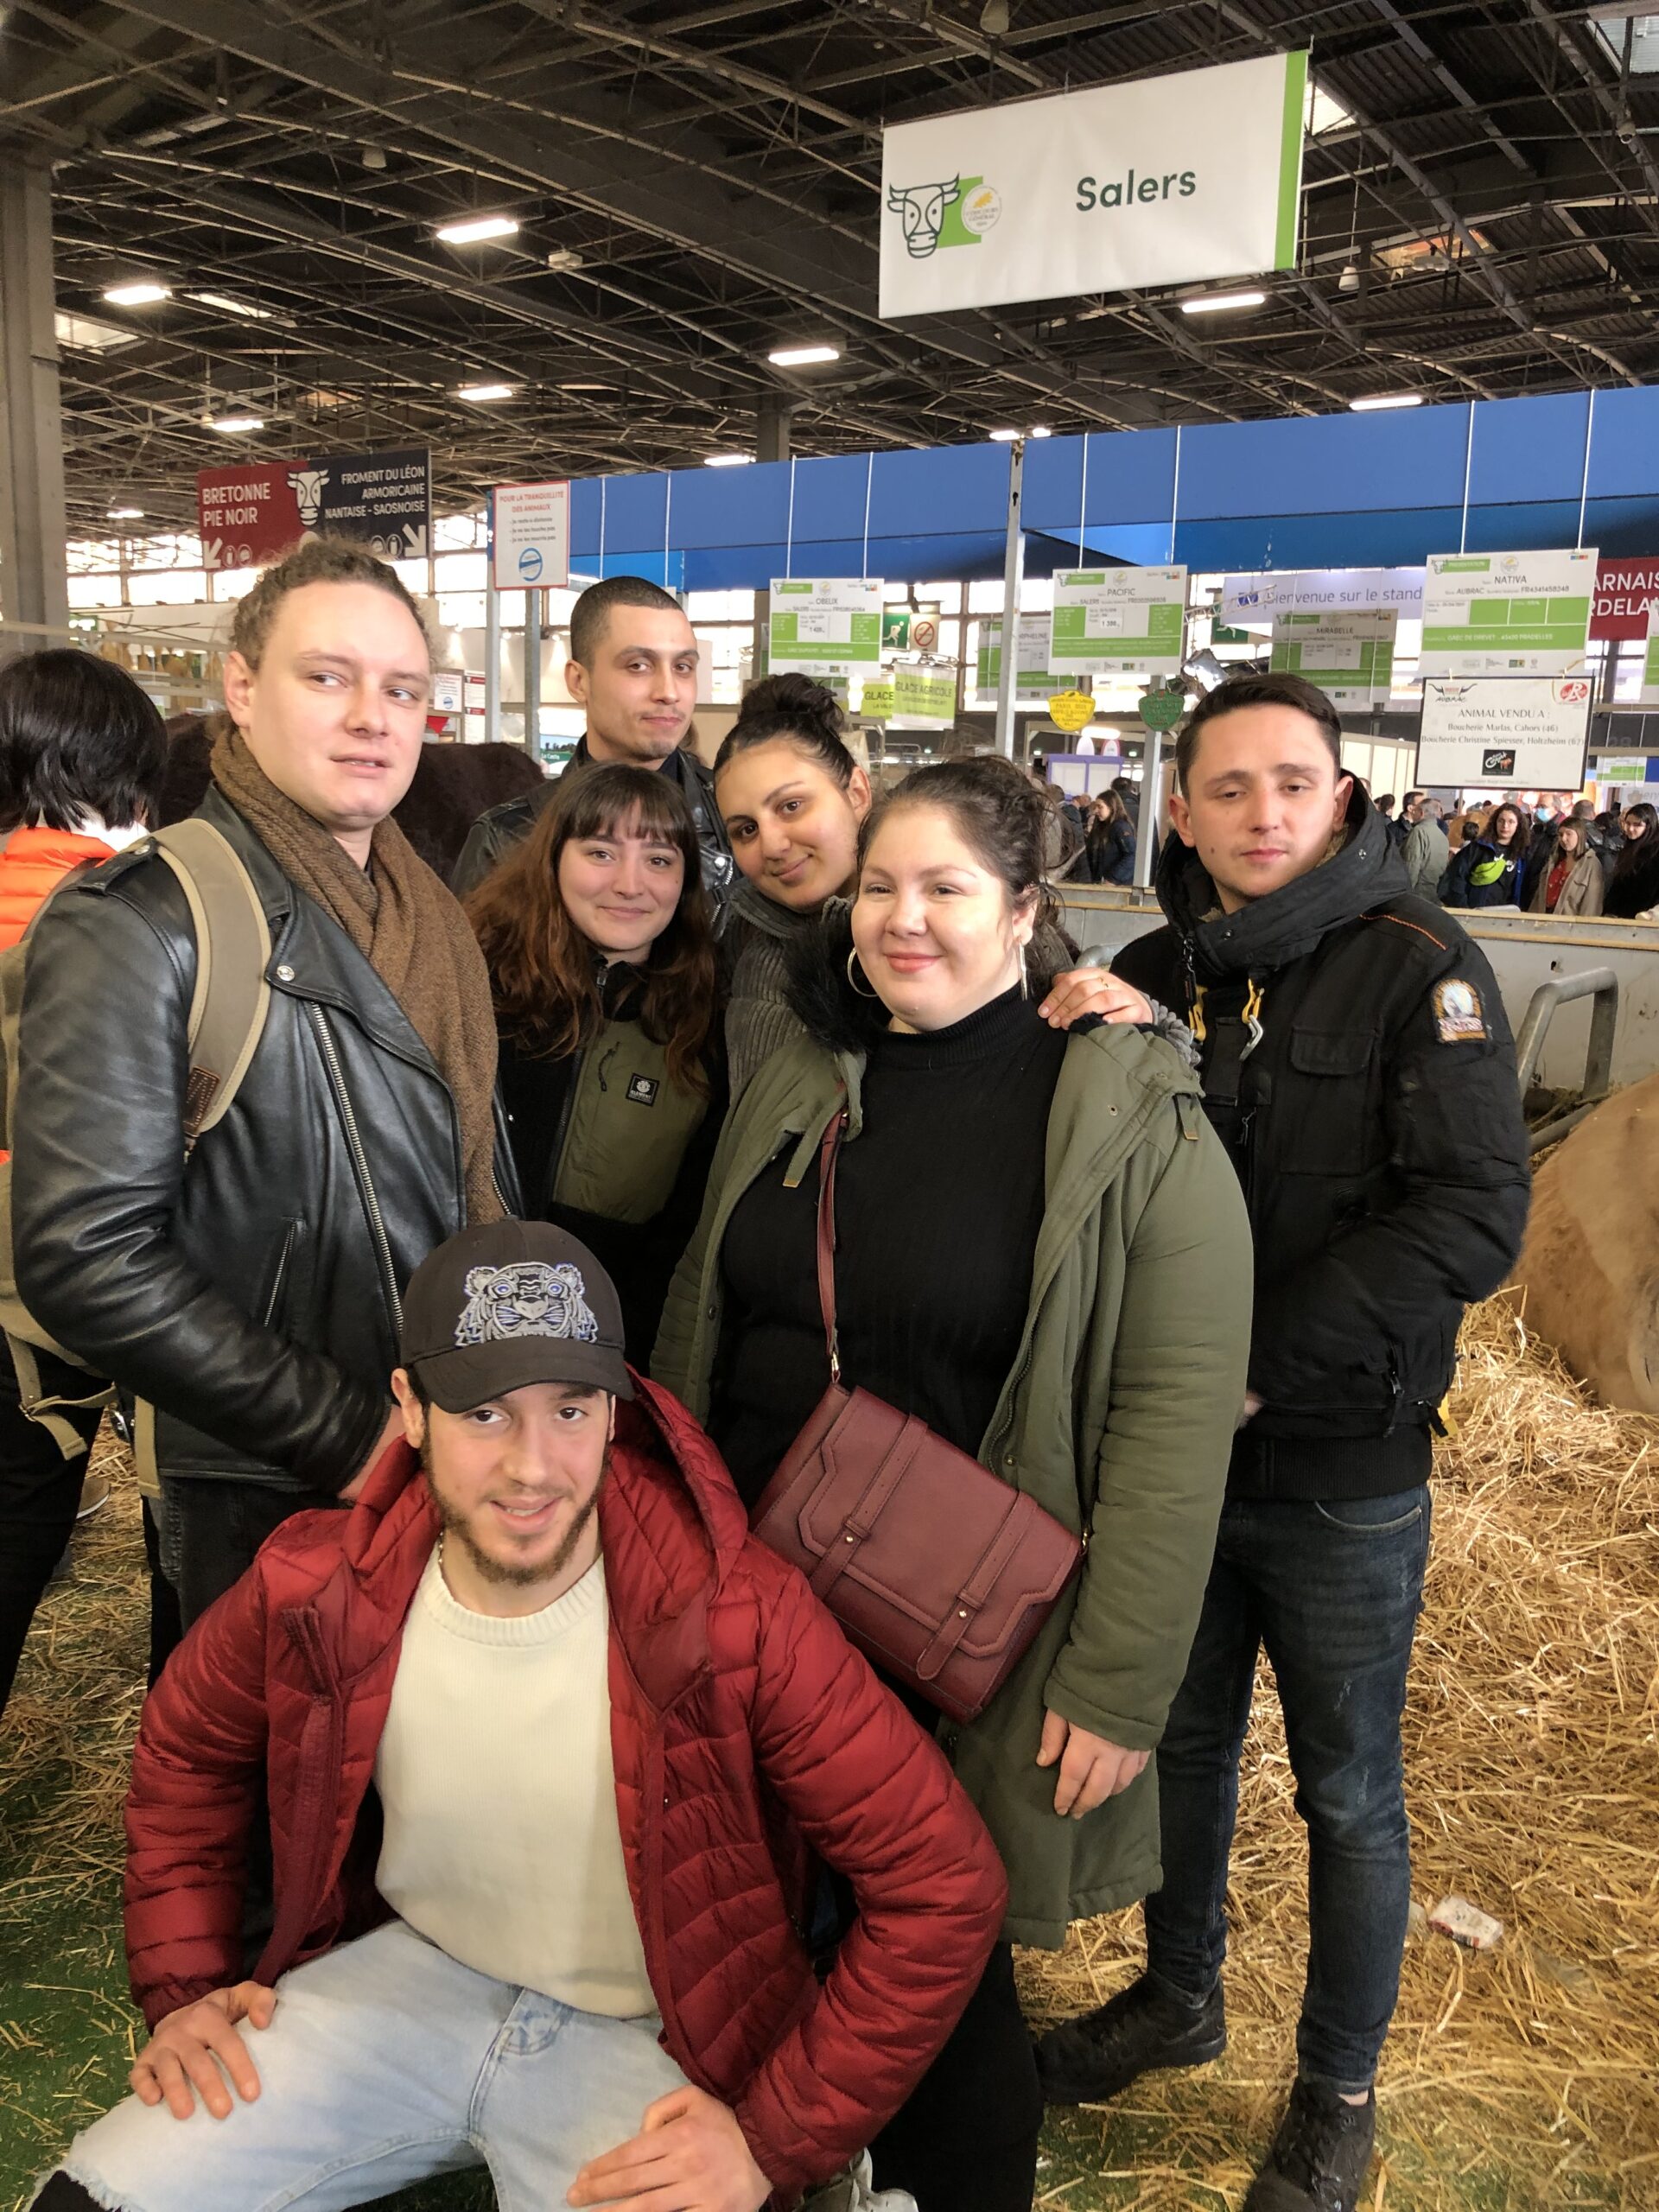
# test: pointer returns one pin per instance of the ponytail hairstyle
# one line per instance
(798, 710)
(1005, 821)
(543, 977)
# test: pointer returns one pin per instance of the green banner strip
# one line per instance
(1290, 159)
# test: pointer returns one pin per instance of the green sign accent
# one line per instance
(1223, 633)
(1373, 672)
(952, 229)
(1516, 626)
(1162, 641)
(895, 630)
(1162, 710)
(1028, 682)
(864, 642)
(877, 702)
(1290, 160)
(931, 698)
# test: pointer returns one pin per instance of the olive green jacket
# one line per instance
(1117, 1417)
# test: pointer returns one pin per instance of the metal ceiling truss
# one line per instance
(706, 180)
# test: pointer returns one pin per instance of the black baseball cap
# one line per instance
(506, 1303)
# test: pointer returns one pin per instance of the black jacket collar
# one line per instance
(1286, 926)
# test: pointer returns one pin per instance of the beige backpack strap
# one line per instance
(232, 997)
(47, 1409)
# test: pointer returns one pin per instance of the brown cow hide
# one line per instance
(1590, 1265)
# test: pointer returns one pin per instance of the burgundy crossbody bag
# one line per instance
(939, 1571)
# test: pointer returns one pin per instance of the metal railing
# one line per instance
(1602, 985)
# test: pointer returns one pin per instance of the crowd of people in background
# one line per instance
(571, 1190)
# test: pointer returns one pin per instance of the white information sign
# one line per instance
(1507, 613)
(1255, 601)
(1112, 620)
(1165, 180)
(825, 626)
(530, 537)
(1350, 657)
(1034, 680)
(1525, 732)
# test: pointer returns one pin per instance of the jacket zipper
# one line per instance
(561, 1127)
(319, 1022)
(302, 1905)
(283, 1258)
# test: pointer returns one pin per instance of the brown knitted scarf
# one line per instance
(411, 931)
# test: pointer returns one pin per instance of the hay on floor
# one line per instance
(1529, 2076)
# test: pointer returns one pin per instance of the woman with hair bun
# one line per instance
(793, 797)
(1042, 1253)
(793, 800)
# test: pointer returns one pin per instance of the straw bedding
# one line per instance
(1525, 2081)
(1529, 2076)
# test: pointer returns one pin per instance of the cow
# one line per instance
(307, 484)
(1590, 1265)
(922, 208)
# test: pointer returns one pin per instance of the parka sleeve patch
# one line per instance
(1459, 1018)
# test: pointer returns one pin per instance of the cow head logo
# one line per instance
(307, 484)
(921, 208)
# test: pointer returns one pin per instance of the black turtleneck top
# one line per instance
(938, 1202)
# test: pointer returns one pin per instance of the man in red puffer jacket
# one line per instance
(547, 1739)
(82, 753)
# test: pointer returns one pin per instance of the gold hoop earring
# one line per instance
(852, 980)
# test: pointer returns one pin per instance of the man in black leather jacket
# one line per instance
(633, 666)
(1358, 1066)
(252, 1296)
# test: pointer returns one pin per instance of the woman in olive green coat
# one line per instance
(1043, 1252)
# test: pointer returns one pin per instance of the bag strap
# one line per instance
(827, 1153)
(232, 997)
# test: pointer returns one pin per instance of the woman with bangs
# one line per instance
(600, 947)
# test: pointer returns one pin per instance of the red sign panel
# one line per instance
(1624, 592)
(247, 516)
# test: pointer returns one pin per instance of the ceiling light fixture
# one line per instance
(563, 261)
(727, 459)
(1039, 430)
(228, 425)
(125, 514)
(1386, 399)
(1218, 302)
(479, 392)
(476, 228)
(1349, 280)
(993, 17)
(802, 357)
(136, 295)
(1003, 437)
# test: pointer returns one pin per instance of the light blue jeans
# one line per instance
(387, 2061)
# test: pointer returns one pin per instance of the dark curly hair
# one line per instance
(796, 709)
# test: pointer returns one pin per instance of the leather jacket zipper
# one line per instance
(319, 1022)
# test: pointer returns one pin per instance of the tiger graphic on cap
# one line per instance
(529, 1298)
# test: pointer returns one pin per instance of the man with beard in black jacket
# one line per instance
(1358, 1066)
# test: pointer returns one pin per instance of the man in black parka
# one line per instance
(1357, 1064)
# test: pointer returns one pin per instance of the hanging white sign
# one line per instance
(1257, 599)
(1349, 656)
(1507, 613)
(1166, 181)
(1514, 732)
(1113, 619)
(825, 626)
(530, 537)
